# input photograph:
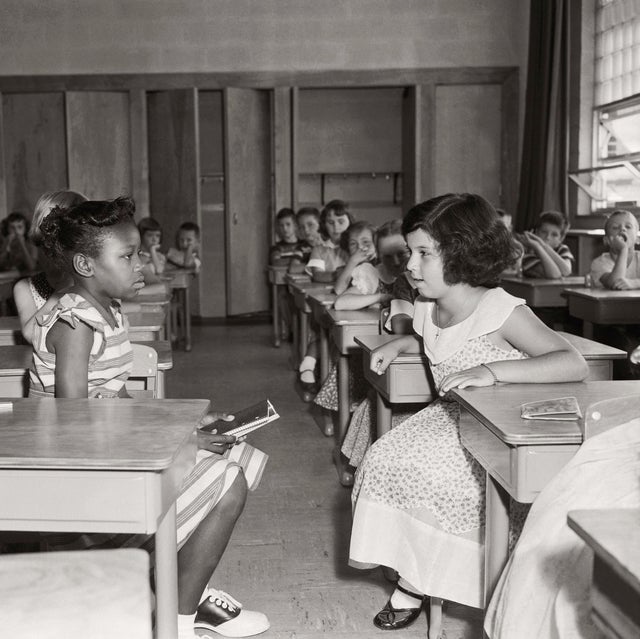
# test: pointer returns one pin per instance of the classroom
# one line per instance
(320, 318)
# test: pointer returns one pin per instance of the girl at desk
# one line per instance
(17, 251)
(81, 349)
(327, 258)
(365, 281)
(418, 497)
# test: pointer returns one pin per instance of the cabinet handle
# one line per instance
(235, 218)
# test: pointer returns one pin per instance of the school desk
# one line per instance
(276, 275)
(100, 594)
(179, 281)
(540, 292)
(7, 281)
(406, 380)
(603, 306)
(113, 466)
(319, 301)
(615, 587)
(143, 327)
(521, 456)
(15, 361)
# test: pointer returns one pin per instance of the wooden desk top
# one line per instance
(321, 296)
(543, 282)
(16, 359)
(609, 532)
(179, 277)
(591, 350)
(123, 434)
(365, 316)
(603, 294)
(498, 408)
(151, 321)
(11, 276)
(415, 354)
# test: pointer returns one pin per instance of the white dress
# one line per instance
(419, 496)
(544, 591)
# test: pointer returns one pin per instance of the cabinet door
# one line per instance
(247, 198)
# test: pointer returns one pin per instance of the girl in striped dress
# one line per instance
(81, 349)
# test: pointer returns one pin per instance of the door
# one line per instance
(247, 174)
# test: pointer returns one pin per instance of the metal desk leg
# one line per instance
(496, 537)
(587, 329)
(166, 561)
(276, 315)
(304, 334)
(383, 415)
(161, 389)
(187, 319)
(343, 398)
(324, 354)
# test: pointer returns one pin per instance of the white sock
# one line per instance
(401, 600)
(185, 626)
(308, 363)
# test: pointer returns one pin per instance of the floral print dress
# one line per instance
(419, 496)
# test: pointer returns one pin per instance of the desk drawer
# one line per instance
(79, 501)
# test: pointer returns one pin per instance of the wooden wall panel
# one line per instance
(139, 151)
(213, 291)
(349, 130)
(34, 147)
(468, 143)
(98, 142)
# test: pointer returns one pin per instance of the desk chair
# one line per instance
(103, 594)
(607, 414)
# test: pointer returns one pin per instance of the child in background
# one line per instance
(619, 269)
(308, 220)
(418, 496)
(41, 291)
(369, 285)
(328, 257)
(546, 256)
(81, 349)
(516, 267)
(17, 252)
(153, 261)
(288, 248)
(185, 253)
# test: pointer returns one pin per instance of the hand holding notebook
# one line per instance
(245, 421)
(561, 408)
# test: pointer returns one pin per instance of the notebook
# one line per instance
(246, 420)
(560, 408)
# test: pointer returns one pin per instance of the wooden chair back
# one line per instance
(606, 414)
(143, 381)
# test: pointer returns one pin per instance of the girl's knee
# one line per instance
(235, 498)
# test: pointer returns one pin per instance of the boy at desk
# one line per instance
(619, 268)
(546, 255)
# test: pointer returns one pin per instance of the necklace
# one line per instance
(439, 328)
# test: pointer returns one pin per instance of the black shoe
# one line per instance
(390, 618)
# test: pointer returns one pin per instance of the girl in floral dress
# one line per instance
(418, 498)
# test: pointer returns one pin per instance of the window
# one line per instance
(613, 180)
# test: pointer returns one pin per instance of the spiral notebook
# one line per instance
(560, 408)
(246, 420)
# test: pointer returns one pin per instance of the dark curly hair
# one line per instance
(354, 229)
(339, 208)
(474, 243)
(82, 228)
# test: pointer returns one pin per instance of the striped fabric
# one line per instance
(111, 354)
(532, 267)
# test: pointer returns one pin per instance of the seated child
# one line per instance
(619, 268)
(369, 285)
(308, 221)
(81, 350)
(17, 252)
(185, 253)
(153, 261)
(546, 256)
(328, 257)
(288, 248)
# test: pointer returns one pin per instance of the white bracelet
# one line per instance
(495, 379)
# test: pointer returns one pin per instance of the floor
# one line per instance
(288, 553)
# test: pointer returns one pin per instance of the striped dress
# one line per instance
(109, 367)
